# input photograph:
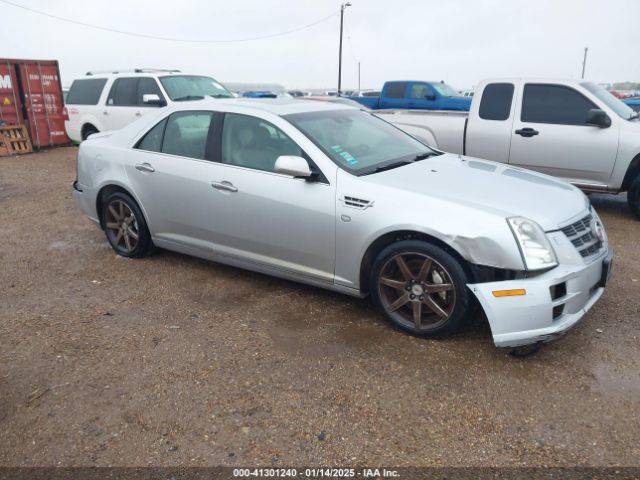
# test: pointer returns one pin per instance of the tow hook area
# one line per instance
(526, 350)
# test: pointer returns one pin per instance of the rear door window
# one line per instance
(496, 101)
(86, 91)
(123, 93)
(187, 134)
(556, 104)
(152, 141)
(396, 90)
(147, 86)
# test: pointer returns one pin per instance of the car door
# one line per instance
(550, 134)
(489, 128)
(121, 105)
(170, 173)
(270, 220)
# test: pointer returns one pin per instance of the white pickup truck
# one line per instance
(570, 129)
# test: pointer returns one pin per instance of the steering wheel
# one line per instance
(362, 149)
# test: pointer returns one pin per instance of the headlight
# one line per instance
(600, 232)
(535, 248)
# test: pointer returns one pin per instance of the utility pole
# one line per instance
(584, 61)
(359, 76)
(342, 8)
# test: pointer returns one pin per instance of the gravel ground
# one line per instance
(175, 361)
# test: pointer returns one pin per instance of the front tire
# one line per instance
(420, 288)
(125, 226)
(633, 196)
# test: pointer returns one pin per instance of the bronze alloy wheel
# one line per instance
(416, 291)
(121, 226)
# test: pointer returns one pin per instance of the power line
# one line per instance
(170, 39)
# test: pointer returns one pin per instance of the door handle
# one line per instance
(104, 112)
(225, 186)
(138, 114)
(527, 132)
(145, 167)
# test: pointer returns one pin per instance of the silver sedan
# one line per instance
(335, 197)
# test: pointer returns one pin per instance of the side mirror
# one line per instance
(430, 96)
(294, 166)
(598, 118)
(152, 99)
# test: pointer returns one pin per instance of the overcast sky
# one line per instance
(459, 41)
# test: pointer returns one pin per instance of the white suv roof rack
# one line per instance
(135, 70)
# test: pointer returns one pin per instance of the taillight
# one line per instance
(65, 113)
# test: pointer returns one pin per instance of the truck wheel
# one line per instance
(633, 196)
(420, 288)
(125, 226)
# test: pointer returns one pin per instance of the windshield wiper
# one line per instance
(219, 95)
(391, 166)
(186, 98)
(422, 156)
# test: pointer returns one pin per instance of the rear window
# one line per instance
(86, 91)
(496, 101)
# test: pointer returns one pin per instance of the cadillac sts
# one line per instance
(335, 197)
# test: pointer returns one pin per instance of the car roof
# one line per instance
(146, 72)
(277, 106)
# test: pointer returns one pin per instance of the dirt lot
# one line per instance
(174, 361)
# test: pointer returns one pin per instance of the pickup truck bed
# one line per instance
(443, 129)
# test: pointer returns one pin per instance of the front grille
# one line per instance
(582, 235)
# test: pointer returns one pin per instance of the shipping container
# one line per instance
(31, 95)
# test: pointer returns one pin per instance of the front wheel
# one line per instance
(125, 226)
(420, 288)
(633, 196)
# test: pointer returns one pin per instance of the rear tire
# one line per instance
(420, 288)
(633, 196)
(88, 130)
(125, 226)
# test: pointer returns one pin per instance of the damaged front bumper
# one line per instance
(547, 305)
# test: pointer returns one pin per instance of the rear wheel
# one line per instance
(633, 195)
(125, 226)
(420, 288)
(88, 130)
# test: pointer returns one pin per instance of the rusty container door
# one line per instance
(41, 94)
(10, 105)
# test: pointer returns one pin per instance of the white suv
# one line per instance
(108, 101)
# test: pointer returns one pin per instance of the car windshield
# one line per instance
(359, 142)
(610, 101)
(445, 90)
(192, 86)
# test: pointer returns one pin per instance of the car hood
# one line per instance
(488, 186)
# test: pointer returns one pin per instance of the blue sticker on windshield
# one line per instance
(345, 155)
(349, 158)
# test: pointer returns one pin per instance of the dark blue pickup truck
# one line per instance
(417, 95)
